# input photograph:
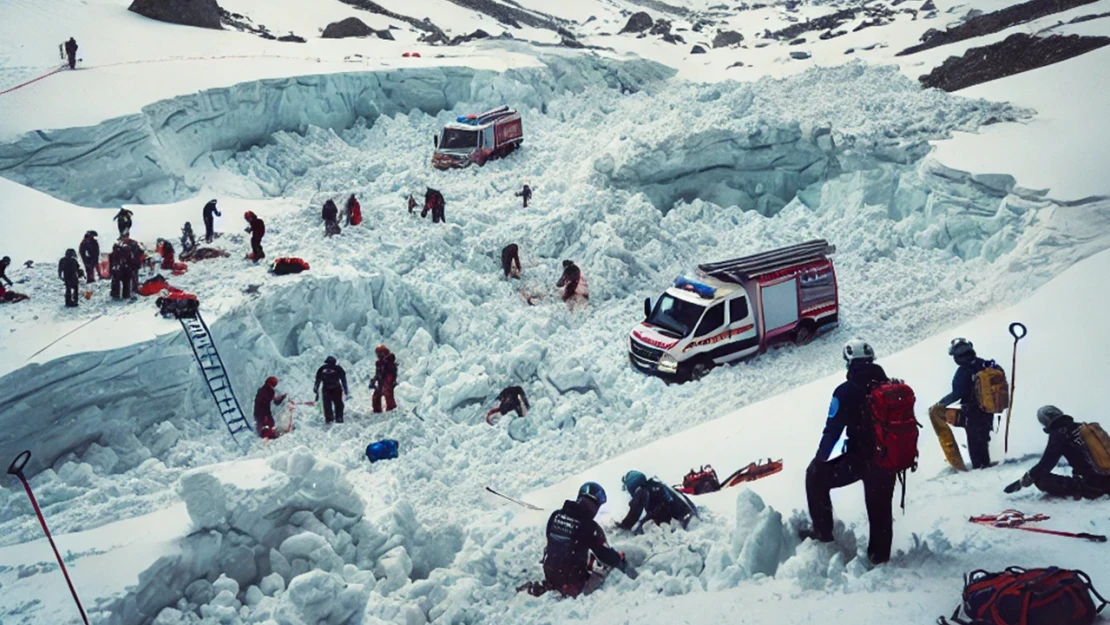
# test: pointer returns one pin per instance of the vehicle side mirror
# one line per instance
(647, 307)
(435, 140)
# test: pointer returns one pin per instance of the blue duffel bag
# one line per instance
(382, 450)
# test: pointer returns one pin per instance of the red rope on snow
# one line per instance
(33, 80)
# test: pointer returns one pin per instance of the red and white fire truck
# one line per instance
(737, 308)
(478, 138)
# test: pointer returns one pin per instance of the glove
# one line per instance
(1013, 488)
(317, 398)
(628, 570)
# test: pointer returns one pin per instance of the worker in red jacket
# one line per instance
(264, 401)
(257, 228)
(385, 379)
(354, 211)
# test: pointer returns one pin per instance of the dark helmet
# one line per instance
(272, 382)
(594, 491)
(1048, 415)
(330, 360)
(71, 253)
(858, 350)
(91, 233)
(188, 226)
(961, 347)
(567, 263)
(6, 260)
(633, 480)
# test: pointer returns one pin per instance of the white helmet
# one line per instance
(858, 349)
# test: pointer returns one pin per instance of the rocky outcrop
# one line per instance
(1015, 54)
(350, 27)
(993, 22)
(638, 23)
(727, 38)
(201, 13)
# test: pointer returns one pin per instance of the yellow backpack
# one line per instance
(1098, 446)
(991, 390)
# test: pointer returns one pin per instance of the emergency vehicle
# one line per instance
(478, 138)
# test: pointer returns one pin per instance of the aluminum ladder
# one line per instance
(215, 376)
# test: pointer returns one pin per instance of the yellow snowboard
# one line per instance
(947, 441)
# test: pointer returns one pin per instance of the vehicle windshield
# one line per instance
(675, 315)
(458, 139)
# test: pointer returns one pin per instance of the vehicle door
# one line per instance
(743, 336)
(711, 331)
(780, 306)
(488, 143)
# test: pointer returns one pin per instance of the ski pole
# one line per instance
(516, 501)
(1013, 379)
(16, 469)
(1016, 520)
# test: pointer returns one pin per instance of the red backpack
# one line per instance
(895, 428)
(1017, 596)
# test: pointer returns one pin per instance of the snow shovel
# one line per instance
(1014, 327)
(16, 469)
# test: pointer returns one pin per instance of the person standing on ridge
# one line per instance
(334, 380)
(209, 220)
(330, 215)
(119, 263)
(71, 52)
(973, 419)
(69, 270)
(384, 380)
(661, 504)
(510, 398)
(510, 261)
(90, 255)
(257, 228)
(573, 539)
(123, 221)
(5, 262)
(1065, 440)
(525, 194)
(354, 211)
(264, 401)
(849, 411)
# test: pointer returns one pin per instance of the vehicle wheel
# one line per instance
(804, 334)
(699, 370)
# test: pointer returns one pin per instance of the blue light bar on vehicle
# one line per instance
(701, 290)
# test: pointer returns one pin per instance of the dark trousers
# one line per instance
(208, 230)
(878, 491)
(90, 273)
(572, 583)
(333, 405)
(1064, 486)
(71, 293)
(384, 391)
(72, 60)
(121, 285)
(256, 249)
(978, 426)
(135, 280)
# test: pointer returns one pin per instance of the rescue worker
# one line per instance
(652, 500)
(257, 228)
(71, 52)
(119, 263)
(330, 215)
(569, 281)
(11, 297)
(264, 400)
(188, 241)
(354, 211)
(1064, 441)
(165, 248)
(123, 221)
(510, 261)
(384, 380)
(412, 204)
(209, 221)
(849, 412)
(972, 419)
(334, 380)
(90, 255)
(525, 194)
(434, 202)
(5, 262)
(137, 256)
(69, 270)
(510, 398)
(572, 537)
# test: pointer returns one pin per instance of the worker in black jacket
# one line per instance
(976, 422)
(330, 215)
(569, 280)
(69, 270)
(71, 53)
(5, 262)
(90, 255)
(334, 380)
(849, 412)
(510, 398)
(209, 221)
(660, 503)
(434, 203)
(572, 535)
(123, 221)
(510, 261)
(1064, 441)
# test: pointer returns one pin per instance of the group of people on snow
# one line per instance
(330, 386)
